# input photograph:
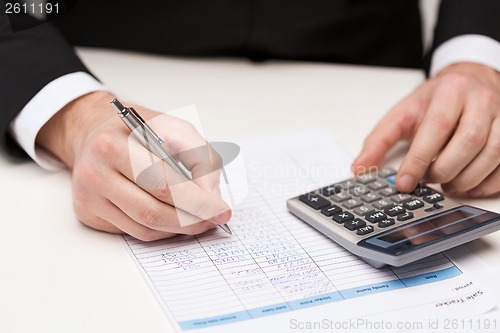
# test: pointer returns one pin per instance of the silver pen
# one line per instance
(151, 140)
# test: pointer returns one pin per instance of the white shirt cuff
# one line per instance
(46, 103)
(466, 48)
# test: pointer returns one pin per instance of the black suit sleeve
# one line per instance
(462, 17)
(29, 60)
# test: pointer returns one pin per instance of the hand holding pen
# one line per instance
(154, 143)
(106, 195)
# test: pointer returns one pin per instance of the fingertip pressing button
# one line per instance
(406, 183)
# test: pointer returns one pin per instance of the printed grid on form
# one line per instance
(273, 263)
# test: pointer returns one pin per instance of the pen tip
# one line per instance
(225, 227)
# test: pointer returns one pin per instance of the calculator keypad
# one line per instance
(370, 202)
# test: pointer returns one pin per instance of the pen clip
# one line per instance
(145, 126)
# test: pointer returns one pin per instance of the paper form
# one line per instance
(276, 268)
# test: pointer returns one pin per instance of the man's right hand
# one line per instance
(89, 137)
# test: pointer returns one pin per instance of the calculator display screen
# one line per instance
(429, 230)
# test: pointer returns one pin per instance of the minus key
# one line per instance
(330, 210)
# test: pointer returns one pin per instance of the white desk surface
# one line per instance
(60, 276)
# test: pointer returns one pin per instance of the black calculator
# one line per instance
(368, 216)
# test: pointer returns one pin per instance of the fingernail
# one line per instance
(406, 183)
(223, 217)
(476, 193)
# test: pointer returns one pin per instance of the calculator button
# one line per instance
(352, 203)
(365, 230)
(355, 224)
(386, 172)
(342, 196)
(314, 200)
(394, 210)
(370, 197)
(342, 217)
(331, 190)
(413, 204)
(346, 185)
(405, 216)
(375, 217)
(359, 190)
(400, 197)
(434, 197)
(391, 179)
(330, 210)
(388, 191)
(381, 204)
(377, 185)
(434, 207)
(420, 191)
(363, 210)
(366, 178)
(386, 223)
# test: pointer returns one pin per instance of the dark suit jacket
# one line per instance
(382, 32)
